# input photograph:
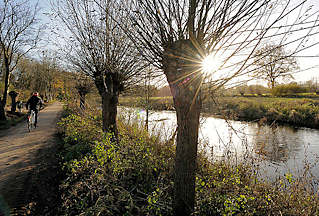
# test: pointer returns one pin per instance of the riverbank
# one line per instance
(135, 177)
(296, 112)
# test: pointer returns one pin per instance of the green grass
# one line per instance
(135, 177)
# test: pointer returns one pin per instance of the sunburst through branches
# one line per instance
(211, 64)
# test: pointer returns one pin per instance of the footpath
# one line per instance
(28, 164)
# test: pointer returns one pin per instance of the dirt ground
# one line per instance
(28, 165)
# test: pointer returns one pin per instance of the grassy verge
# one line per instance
(42, 187)
(135, 177)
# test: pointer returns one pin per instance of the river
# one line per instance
(275, 150)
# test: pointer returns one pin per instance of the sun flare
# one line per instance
(210, 64)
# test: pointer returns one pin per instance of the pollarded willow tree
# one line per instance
(98, 47)
(177, 35)
(83, 85)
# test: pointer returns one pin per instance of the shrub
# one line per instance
(296, 112)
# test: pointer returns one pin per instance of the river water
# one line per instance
(279, 150)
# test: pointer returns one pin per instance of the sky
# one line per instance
(309, 66)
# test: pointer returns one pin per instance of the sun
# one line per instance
(211, 64)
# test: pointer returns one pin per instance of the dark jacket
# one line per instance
(34, 102)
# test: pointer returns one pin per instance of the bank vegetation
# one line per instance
(135, 176)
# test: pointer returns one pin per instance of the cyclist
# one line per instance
(35, 103)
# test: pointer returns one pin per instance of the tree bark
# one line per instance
(13, 96)
(13, 104)
(109, 113)
(146, 118)
(6, 87)
(109, 89)
(272, 84)
(184, 80)
(186, 152)
(2, 111)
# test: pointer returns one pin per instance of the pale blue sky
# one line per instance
(305, 63)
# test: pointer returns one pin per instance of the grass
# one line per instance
(135, 177)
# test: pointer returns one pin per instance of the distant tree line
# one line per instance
(291, 88)
(310, 86)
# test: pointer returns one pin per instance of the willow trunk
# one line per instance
(185, 82)
(109, 113)
(5, 92)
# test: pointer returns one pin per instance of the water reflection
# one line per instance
(283, 149)
(276, 144)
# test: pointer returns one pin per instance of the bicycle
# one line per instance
(31, 120)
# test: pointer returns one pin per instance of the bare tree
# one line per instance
(273, 63)
(97, 46)
(83, 85)
(180, 34)
(18, 35)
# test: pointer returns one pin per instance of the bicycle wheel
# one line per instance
(29, 125)
(31, 118)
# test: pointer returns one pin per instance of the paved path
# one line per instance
(19, 155)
